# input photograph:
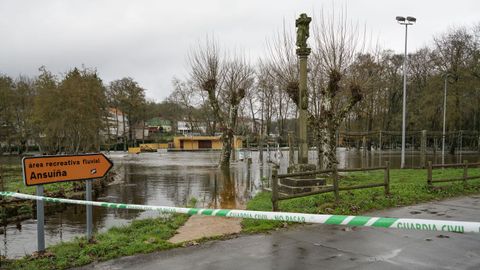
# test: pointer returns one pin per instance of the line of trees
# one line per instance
(349, 87)
(67, 114)
(453, 56)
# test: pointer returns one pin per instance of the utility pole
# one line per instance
(444, 119)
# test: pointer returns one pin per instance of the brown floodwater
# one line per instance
(173, 179)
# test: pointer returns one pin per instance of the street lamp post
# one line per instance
(444, 119)
(404, 21)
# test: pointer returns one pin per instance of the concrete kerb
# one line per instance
(381, 222)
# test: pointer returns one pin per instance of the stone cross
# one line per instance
(302, 51)
(303, 29)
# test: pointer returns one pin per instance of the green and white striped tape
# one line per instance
(382, 222)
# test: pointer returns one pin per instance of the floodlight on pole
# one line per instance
(404, 21)
(444, 118)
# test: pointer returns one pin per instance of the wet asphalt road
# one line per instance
(332, 247)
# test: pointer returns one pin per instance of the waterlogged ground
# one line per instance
(173, 179)
(169, 179)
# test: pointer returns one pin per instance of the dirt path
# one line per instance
(198, 227)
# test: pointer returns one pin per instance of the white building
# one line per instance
(141, 131)
(117, 123)
(183, 127)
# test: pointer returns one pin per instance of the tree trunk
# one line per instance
(254, 127)
(320, 150)
(227, 137)
(226, 149)
(143, 132)
(116, 128)
(108, 132)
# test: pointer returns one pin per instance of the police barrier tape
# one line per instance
(382, 222)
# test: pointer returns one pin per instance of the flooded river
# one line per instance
(174, 178)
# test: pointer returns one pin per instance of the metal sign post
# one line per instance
(40, 222)
(88, 197)
(40, 170)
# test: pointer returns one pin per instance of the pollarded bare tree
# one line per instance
(225, 80)
(282, 66)
(282, 61)
(337, 41)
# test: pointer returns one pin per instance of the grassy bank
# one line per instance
(407, 187)
(141, 236)
(12, 180)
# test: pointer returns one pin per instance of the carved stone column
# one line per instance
(303, 98)
(302, 24)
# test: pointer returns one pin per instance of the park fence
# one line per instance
(465, 165)
(335, 188)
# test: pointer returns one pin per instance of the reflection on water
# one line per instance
(355, 158)
(169, 179)
(172, 179)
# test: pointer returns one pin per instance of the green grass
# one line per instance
(407, 187)
(141, 236)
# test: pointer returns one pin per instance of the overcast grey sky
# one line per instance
(149, 40)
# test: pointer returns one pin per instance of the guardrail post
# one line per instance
(479, 143)
(460, 142)
(335, 186)
(364, 145)
(2, 184)
(429, 174)
(260, 149)
(380, 143)
(465, 171)
(386, 178)
(291, 151)
(274, 189)
(423, 148)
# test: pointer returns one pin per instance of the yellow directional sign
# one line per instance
(52, 169)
